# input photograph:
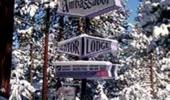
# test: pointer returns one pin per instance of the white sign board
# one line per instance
(66, 93)
(95, 45)
(84, 69)
(89, 8)
(71, 46)
(86, 46)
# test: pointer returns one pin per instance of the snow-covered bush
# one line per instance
(19, 86)
(100, 93)
(135, 92)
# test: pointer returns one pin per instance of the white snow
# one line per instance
(53, 3)
(101, 95)
(25, 31)
(136, 92)
(21, 87)
(32, 10)
(168, 87)
(155, 4)
(160, 31)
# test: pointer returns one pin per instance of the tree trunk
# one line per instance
(152, 75)
(31, 65)
(45, 77)
(6, 30)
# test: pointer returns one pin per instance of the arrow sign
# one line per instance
(86, 46)
(89, 8)
(83, 69)
(94, 46)
(71, 46)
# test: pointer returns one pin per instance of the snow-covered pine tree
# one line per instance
(136, 67)
(28, 50)
(154, 20)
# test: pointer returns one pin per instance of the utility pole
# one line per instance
(6, 31)
(45, 77)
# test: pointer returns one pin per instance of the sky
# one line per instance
(132, 6)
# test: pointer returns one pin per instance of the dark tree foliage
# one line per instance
(6, 29)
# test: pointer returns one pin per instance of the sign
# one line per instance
(66, 93)
(84, 69)
(86, 46)
(71, 46)
(89, 8)
(95, 46)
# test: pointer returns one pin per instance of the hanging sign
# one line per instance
(89, 8)
(84, 69)
(86, 46)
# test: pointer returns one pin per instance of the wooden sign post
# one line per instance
(85, 46)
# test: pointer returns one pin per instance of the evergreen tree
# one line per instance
(154, 20)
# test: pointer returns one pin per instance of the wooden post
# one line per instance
(83, 89)
(86, 30)
(6, 30)
(45, 78)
